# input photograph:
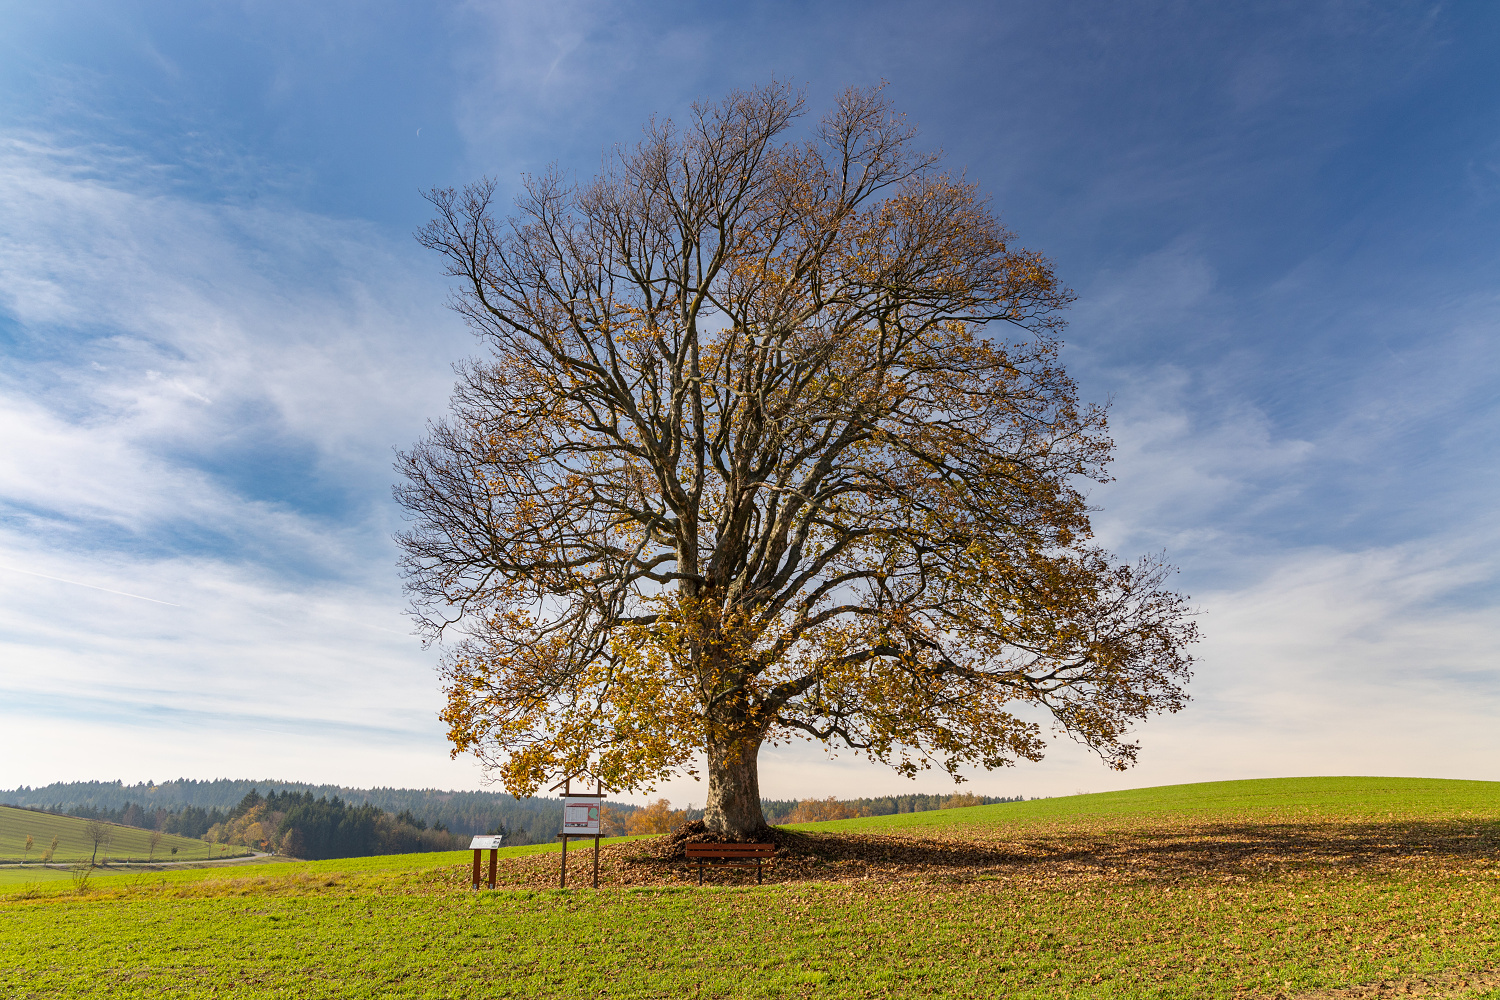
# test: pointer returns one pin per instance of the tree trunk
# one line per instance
(733, 808)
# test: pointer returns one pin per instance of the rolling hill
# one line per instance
(74, 843)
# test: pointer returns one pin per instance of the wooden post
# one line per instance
(566, 785)
(599, 792)
(491, 843)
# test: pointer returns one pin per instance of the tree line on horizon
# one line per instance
(192, 808)
(298, 825)
(187, 821)
(659, 816)
(302, 824)
(822, 810)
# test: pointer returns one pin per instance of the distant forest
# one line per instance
(353, 822)
(813, 810)
(191, 808)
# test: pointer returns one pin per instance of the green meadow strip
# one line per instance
(370, 935)
(1282, 799)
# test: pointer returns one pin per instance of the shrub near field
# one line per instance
(74, 844)
(1261, 892)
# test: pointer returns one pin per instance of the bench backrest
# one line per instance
(730, 850)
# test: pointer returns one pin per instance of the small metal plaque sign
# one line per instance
(581, 815)
(486, 843)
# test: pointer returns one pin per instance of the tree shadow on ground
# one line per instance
(1257, 848)
(1174, 851)
(1164, 852)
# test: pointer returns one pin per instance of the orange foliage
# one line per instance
(818, 811)
(658, 817)
(612, 823)
(960, 799)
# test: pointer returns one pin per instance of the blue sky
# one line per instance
(1281, 221)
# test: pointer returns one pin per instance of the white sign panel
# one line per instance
(581, 815)
(485, 843)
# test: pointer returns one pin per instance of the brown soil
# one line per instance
(1451, 985)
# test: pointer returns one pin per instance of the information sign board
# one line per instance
(581, 815)
(486, 843)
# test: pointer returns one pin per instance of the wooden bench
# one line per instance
(730, 854)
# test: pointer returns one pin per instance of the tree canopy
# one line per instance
(770, 439)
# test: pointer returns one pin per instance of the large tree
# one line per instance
(770, 440)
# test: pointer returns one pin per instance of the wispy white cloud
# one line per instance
(157, 579)
(156, 335)
(1371, 662)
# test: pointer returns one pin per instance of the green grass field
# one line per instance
(1236, 889)
(74, 843)
(1279, 800)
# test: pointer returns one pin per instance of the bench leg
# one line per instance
(757, 871)
(700, 872)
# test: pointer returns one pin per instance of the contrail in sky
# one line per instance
(90, 586)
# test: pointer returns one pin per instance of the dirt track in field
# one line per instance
(116, 867)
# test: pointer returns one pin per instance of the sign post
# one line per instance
(582, 814)
(492, 844)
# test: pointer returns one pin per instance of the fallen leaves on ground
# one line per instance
(1170, 852)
